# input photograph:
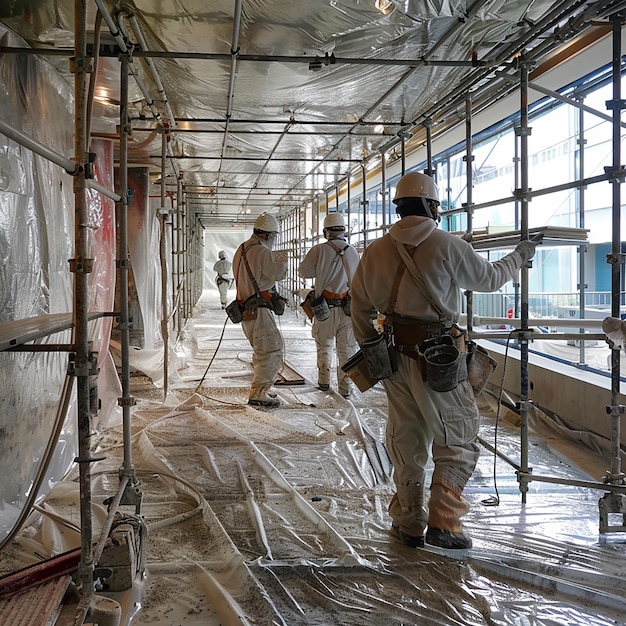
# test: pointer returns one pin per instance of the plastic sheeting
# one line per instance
(375, 70)
(37, 402)
(279, 516)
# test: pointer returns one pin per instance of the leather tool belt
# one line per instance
(407, 334)
(334, 299)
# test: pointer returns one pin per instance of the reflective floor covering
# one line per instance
(279, 516)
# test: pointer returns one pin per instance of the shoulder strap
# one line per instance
(341, 255)
(417, 277)
(252, 278)
(394, 290)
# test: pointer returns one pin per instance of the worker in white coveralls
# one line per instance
(256, 269)
(332, 264)
(223, 280)
(414, 276)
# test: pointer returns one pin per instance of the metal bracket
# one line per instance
(523, 335)
(616, 410)
(132, 493)
(616, 259)
(81, 266)
(612, 503)
(88, 459)
(524, 405)
(523, 132)
(126, 401)
(615, 105)
(520, 194)
(616, 173)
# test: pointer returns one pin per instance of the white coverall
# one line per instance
(422, 421)
(260, 327)
(324, 263)
(221, 268)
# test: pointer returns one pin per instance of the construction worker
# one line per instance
(256, 269)
(223, 280)
(332, 264)
(414, 276)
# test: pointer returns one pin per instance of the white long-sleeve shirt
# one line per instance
(323, 263)
(447, 265)
(264, 267)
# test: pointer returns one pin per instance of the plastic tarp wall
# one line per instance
(145, 305)
(37, 402)
(143, 245)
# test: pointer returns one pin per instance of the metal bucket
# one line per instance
(445, 367)
(376, 354)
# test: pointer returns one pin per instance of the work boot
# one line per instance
(447, 539)
(271, 402)
(411, 541)
(262, 396)
(445, 529)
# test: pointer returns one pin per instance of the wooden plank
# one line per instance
(38, 606)
(550, 235)
(289, 376)
(39, 573)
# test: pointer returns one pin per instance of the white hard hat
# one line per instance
(267, 223)
(222, 254)
(416, 185)
(334, 220)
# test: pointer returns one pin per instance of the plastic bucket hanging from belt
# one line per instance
(320, 308)
(445, 367)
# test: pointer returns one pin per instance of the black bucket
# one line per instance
(445, 367)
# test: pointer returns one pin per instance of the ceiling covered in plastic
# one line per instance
(270, 102)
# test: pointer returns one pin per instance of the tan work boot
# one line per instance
(445, 510)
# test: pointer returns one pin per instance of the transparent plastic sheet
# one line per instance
(350, 29)
(143, 247)
(37, 402)
(35, 225)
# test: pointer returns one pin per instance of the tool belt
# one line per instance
(410, 336)
(407, 334)
(334, 299)
(266, 300)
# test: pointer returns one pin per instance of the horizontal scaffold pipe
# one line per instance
(47, 153)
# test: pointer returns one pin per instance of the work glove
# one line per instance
(280, 256)
(526, 249)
